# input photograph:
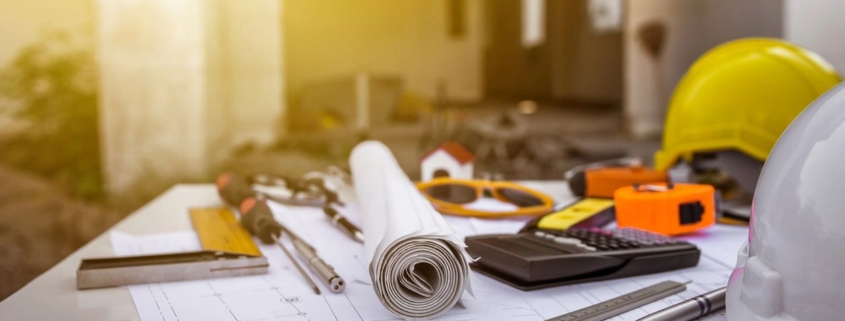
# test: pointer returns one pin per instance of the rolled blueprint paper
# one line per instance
(418, 266)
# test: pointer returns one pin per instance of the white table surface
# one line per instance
(53, 295)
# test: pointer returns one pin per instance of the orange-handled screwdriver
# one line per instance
(258, 219)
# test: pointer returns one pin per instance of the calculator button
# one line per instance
(539, 234)
(567, 240)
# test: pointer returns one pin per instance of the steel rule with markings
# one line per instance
(228, 250)
(624, 303)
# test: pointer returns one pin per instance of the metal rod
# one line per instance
(296, 264)
(324, 271)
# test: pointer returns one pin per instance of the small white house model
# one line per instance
(448, 160)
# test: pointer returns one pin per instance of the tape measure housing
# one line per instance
(666, 209)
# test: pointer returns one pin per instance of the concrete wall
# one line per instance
(245, 71)
(22, 21)
(327, 39)
(693, 27)
(153, 90)
(182, 82)
(819, 26)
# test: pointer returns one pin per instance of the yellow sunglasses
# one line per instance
(466, 198)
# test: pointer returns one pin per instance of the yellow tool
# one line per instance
(219, 230)
(584, 213)
(577, 213)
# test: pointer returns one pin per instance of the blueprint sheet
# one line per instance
(283, 294)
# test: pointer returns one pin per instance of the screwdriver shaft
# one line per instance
(296, 264)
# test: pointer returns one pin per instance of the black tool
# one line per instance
(234, 189)
(546, 258)
(258, 219)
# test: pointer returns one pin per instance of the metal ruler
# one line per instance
(219, 230)
(125, 270)
(624, 303)
(228, 250)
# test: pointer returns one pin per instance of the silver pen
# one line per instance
(344, 224)
(690, 309)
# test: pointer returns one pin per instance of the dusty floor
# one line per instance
(39, 227)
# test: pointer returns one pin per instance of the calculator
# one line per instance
(545, 258)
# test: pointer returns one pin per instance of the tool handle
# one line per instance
(234, 189)
(257, 218)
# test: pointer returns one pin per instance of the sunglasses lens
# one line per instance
(452, 193)
(519, 198)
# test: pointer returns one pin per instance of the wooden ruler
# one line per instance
(219, 230)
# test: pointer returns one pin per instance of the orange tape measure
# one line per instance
(671, 209)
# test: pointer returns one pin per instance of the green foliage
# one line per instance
(50, 89)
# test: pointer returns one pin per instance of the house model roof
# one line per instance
(454, 149)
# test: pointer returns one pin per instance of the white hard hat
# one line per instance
(793, 266)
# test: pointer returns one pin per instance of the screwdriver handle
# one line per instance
(234, 189)
(257, 218)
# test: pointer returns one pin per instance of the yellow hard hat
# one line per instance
(741, 96)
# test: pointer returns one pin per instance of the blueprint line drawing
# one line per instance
(282, 294)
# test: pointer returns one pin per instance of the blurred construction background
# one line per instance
(104, 104)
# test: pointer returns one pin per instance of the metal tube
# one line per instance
(296, 264)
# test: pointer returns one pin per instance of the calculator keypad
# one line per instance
(541, 258)
(596, 239)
